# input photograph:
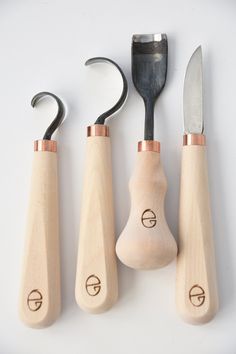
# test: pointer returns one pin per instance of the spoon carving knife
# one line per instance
(196, 287)
(96, 287)
(40, 294)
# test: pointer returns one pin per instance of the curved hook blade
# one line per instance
(101, 119)
(60, 113)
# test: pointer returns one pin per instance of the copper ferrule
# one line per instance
(149, 145)
(45, 145)
(194, 139)
(98, 130)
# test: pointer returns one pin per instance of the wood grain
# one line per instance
(96, 280)
(40, 299)
(196, 288)
(146, 241)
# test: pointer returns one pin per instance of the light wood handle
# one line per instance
(96, 280)
(146, 241)
(196, 288)
(40, 287)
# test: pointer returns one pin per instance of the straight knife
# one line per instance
(196, 286)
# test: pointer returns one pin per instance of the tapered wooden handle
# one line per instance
(40, 286)
(96, 280)
(146, 241)
(196, 289)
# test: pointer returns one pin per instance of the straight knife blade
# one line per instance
(193, 117)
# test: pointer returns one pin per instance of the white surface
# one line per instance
(43, 47)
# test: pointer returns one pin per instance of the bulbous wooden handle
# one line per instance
(146, 241)
(96, 280)
(196, 288)
(40, 299)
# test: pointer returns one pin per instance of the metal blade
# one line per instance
(193, 118)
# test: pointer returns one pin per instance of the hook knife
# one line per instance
(40, 293)
(96, 278)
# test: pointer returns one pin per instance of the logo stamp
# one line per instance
(149, 218)
(197, 295)
(34, 300)
(93, 285)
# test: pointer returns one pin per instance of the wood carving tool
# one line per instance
(196, 288)
(40, 299)
(96, 279)
(146, 241)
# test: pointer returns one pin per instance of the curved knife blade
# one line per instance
(193, 118)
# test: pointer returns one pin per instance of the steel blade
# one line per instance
(193, 118)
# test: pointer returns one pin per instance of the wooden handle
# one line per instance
(146, 241)
(196, 289)
(40, 287)
(96, 279)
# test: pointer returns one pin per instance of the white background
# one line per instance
(44, 45)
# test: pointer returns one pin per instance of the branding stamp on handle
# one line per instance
(197, 295)
(93, 285)
(149, 218)
(34, 300)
